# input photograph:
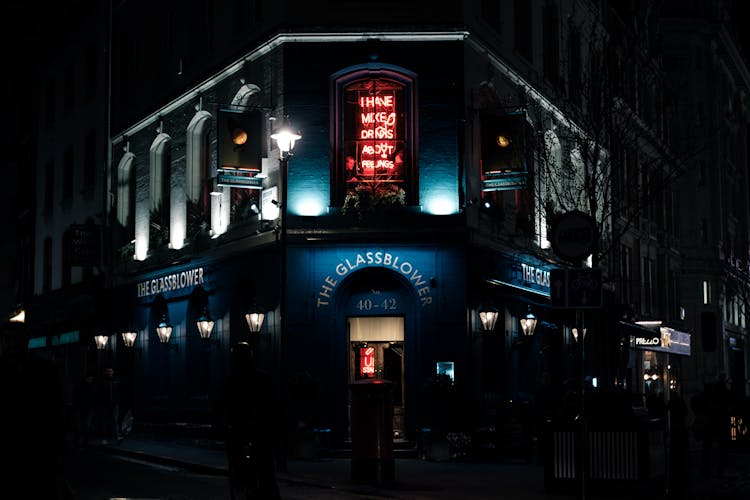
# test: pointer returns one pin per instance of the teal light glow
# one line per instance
(310, 204)
(437, 204)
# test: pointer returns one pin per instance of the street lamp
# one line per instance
(285, 139)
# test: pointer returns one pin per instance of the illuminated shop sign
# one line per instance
(375, 258)
(535, 275)
(367, 362)
(522, 272)
(664, 340)
(374, 145)
(503, 143)
(241, 142)
(170, 282)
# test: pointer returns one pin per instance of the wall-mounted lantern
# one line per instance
(528, 324)
(101, 341)
(488, 316)
(205, 324)
(579, 334)
(128, 338)
(164, 330)
(254, 318)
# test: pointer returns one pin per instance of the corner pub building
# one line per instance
(406, 221)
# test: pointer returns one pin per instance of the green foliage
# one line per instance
(372, 197)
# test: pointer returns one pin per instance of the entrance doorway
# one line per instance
(376, 351)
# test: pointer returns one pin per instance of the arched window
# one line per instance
(125, 191)
(198, 174)
(160, 160)
(373, 125)
(548, 169)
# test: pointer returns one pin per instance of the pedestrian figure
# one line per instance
(84, 405)
(108, 396)
(717, 427)
(247, 417)
(679, 457)
(32, 420)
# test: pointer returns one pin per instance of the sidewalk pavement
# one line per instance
(416, 478)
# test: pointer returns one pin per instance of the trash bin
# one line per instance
(372, 431)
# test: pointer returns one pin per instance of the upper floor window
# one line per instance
(523, 30)
(550, 41)
(374, 130)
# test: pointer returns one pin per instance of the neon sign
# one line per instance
(373, 136)
(367, 362)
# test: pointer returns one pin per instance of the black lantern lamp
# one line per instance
(488, 316)
(128, 338)
(164, 330)
(528, 324)
(254, 318)
(101, 341)
(205, 324)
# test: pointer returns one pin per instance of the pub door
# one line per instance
(376, 350)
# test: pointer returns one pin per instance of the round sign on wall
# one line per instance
(574, 235)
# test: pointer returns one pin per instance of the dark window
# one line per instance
(522, 27)
(551, 41)
(491, 13)
(51, 103)
(70, 89)
(49, 186)
(574, 65)
(66, 258)
(92, 67)
(89, 166)
(68, 172)
(626, 275)
(649, 278)
(47, 270)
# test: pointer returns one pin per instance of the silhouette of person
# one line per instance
(247, 416)
(32, 420)
(717, 426)
(84, 404)
(108, 397)
(679, 456)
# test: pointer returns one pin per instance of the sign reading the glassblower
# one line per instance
(170, 282)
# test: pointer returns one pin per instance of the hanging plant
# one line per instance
(373, 197)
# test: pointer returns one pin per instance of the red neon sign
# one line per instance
(367, 362)
(373, 136)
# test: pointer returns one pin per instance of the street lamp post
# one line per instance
(285, 139)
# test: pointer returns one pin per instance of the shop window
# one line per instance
(374, 130)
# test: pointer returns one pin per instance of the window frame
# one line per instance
(373, 71)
